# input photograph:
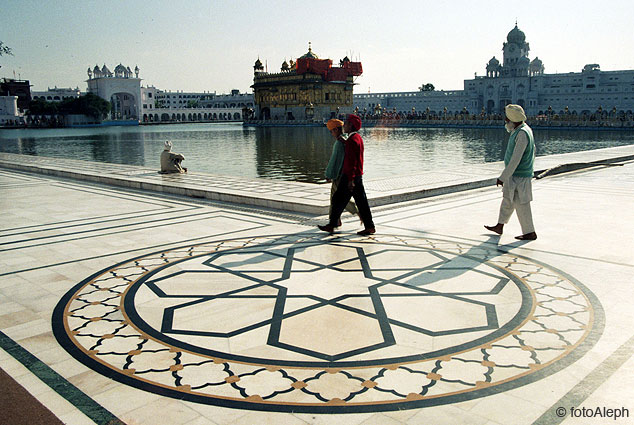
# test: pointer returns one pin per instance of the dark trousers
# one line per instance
(342, 196)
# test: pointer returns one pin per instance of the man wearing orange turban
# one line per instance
(351, 183)
(335, 164)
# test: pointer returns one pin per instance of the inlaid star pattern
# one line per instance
(356, 297)
(304, 323)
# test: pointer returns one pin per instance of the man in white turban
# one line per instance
(515, 180)
(171, 162)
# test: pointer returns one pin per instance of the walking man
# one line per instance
(517, 192)
(351, 183)
(335, 164)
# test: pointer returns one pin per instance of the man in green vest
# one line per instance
(515, 180)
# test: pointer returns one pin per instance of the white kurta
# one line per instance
(517, 192)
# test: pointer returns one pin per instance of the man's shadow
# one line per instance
(466, 261)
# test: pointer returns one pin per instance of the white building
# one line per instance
(132, 102)
(9, 112)
(180, 106)
(521, 81)
(56, 94)
(121, 89)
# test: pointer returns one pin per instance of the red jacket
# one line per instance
(353, 157)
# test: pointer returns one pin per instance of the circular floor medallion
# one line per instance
(308, 323)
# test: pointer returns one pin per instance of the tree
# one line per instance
(90, 104)
(42, 107)
(427, 87)
(5, 50)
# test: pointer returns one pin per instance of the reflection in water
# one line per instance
(292, 153)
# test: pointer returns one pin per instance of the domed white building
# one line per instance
(521, 81)
(121, 88)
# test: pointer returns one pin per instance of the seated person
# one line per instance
(171, 162)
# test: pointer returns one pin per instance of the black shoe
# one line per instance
(527, 237)
(327, 228)
(367, 232)
(494, 229)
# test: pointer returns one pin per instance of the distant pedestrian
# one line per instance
(171, 162)
(351, 182)
(517, 192)
(335, 165)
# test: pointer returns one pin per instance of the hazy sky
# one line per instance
(212, 45)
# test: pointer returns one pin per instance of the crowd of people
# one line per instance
(598, 117)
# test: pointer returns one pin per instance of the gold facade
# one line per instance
(288, 89)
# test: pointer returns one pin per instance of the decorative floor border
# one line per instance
(533, 349)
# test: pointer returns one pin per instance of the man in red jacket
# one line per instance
(351, 183)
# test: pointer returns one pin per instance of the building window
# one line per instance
(149, 95)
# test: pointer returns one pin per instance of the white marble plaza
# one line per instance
(135, 306)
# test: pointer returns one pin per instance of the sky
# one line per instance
(199, 45)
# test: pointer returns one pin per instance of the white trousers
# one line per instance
(523, 213)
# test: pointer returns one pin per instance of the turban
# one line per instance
(515, 113)
(168, 145)
(354, 121)
(332, 124)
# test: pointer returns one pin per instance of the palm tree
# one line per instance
(5, 50)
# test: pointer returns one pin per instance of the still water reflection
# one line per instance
(292, 153)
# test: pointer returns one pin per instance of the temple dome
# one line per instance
(105, 71)
(493, 62)
(120, 71)
(516, 36)
(309, 54)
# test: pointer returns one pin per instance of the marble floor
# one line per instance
(122, 306)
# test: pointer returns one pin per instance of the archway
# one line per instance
(123, 106)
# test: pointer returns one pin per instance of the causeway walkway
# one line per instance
(131, 297)
(295, 196)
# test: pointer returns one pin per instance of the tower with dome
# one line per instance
(520, 80)
(122, 88)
